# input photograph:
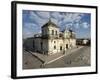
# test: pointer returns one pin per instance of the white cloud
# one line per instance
(66, 19)
(56, 15)
(36, 19)
(44, 15)
(85, 25)
(77, 25)
(26, 33)
(30, 29)
(30, 25)
(54, 20)
(33, 17)
(71, 20)
(72, 17)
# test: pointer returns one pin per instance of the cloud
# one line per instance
(81, 25)
(37, 19)
(30, 29)
(44, 15)
(30, 25)
(54, 20)
(77, 25)
(60, 18)
(27, 33)
(70, 20)
(72, 17)
(34, 20)
(85, 25)
(56, 15)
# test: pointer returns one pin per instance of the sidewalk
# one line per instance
(47, 59)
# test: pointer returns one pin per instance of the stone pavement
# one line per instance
(46, 59)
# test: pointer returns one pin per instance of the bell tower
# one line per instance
(50, 30)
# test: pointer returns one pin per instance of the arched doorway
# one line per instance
(60, 48)
(66, 46)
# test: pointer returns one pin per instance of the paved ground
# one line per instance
(47, 59)
(30, 62)
(80, 57)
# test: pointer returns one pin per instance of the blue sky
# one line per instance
(78, 22)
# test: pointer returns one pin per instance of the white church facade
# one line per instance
(52, 40)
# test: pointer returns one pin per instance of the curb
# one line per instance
(36, 57)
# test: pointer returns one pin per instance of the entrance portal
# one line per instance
(60, 47)
(66, 46)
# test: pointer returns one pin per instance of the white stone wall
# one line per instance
(48, 30)
(66, 42)
(52, 46)
(52, 43)
(54, 29)
(59, 43)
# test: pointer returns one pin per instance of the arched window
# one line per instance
(56, 32)
(52, 32)
(54, 47)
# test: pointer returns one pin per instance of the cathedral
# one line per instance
(52, 40)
